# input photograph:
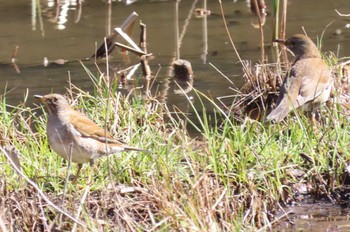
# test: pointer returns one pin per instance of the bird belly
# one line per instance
(63, 143)
(97, 148)
(68, 148)
(67, 142)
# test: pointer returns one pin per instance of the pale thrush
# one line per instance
(73, 134)
(308, 82)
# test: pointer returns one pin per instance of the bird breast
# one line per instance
(68, 142)
(64, 140)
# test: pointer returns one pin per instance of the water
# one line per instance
(71, 31)
(315, 218)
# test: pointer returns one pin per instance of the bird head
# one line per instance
(301, 46)
(54, 102)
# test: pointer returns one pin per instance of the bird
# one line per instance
(309, 81)
(73, 136)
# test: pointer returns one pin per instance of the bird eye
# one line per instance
(54, 100)
(291, 43)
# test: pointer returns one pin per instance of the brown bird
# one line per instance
(308, 82)
(73, 134)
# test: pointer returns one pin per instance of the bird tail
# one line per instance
(119, 145)
(128, 148)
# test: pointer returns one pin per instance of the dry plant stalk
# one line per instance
(143, 37)
(260, 12)
(39, 191)
(146, 70)
(109, 42)
(259, 92)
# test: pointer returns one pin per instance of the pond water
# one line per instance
(71, 31)
(315, 217)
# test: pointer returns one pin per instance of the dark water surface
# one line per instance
(71, 31)
(318, 217)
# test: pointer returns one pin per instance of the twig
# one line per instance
(276, 19)
(274, 221)
(219, 199)
(187, 21)
(13, 59)
(128, 39)
(78, 13)
(340, 14)
(130, 49)
(14, 54)
(284, 20)
(177, 33)
(284, 29)
(130, 20)
(262, 42)
(43, 196)
(81, 203)
(126, 25)
(2, 225)
(67, 178)
(222, 74)
(146, 70)
(230, 38)
(143, 37)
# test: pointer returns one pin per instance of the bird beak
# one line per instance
(282, 41)
(38, 96)
(41, 98)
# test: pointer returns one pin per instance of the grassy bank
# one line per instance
(235, 176)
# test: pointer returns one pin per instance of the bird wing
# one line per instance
(304, 83)
(314, 80)
(287, 97)
(88, 129)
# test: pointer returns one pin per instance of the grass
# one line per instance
(233, 177)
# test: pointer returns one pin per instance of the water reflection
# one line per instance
(56, 12)
(317, 217)
(70, 30)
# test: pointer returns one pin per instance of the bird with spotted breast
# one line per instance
(72, 135)
(309, 81)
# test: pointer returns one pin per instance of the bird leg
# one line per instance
(314, 121)
(77, 175)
